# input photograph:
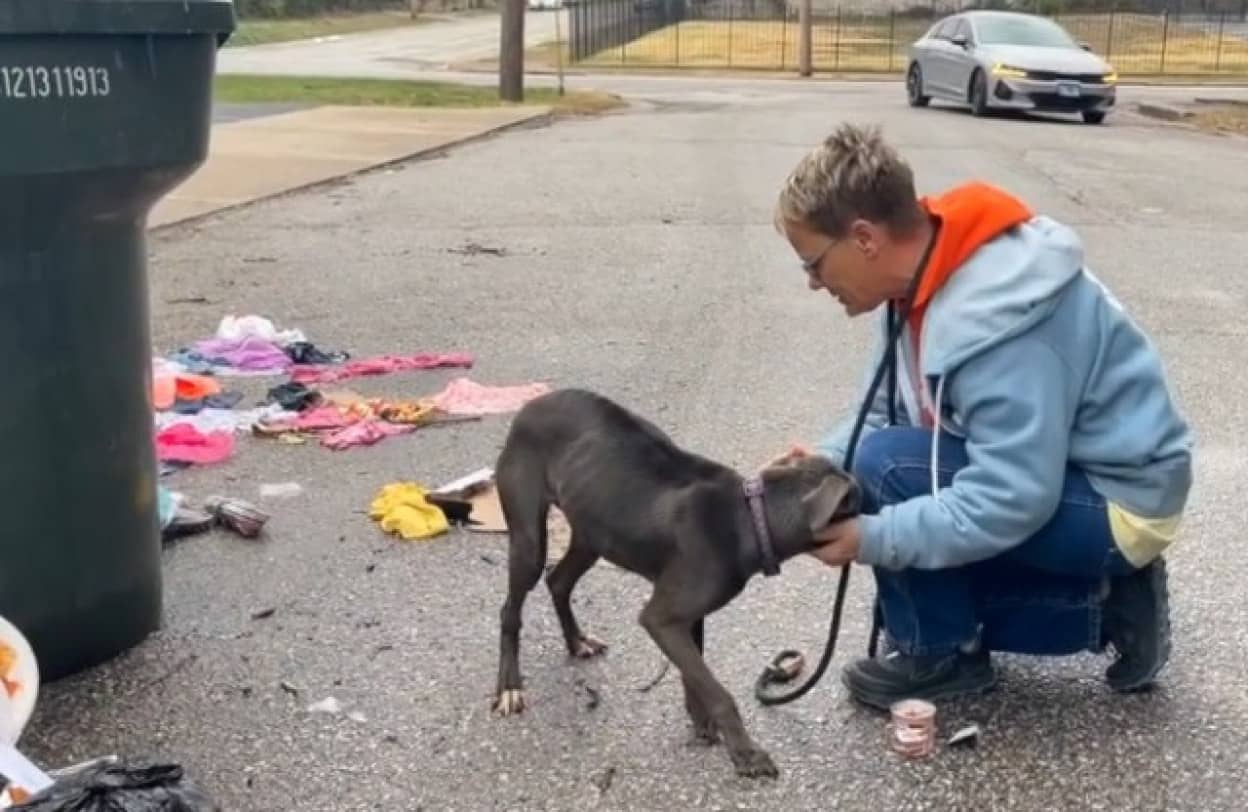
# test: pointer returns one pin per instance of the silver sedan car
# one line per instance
(1009, 61)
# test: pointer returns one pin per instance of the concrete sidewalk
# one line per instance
(260, 157)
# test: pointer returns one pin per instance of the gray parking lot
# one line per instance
(638, 258)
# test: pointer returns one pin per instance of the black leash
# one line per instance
(786, 665)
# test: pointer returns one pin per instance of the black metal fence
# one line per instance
(764, 35)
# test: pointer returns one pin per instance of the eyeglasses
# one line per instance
(811, 266)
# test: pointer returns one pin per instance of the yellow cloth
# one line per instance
(401, 507)
(1141, 538)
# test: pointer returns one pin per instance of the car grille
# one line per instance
(1054, 76)
(1052, 101)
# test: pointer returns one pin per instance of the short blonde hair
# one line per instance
(853, 174)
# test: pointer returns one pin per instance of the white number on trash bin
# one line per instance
(40, 82)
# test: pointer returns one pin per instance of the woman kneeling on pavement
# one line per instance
(1037, 467)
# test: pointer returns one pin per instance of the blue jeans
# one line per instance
(1041, 597)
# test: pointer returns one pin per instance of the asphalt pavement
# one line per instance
(637, 258)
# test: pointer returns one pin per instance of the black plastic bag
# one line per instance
(114, 787)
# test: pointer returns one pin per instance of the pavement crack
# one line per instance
(1075, 195)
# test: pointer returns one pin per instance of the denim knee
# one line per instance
(880, 454)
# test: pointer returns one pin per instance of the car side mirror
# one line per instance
(960, 40)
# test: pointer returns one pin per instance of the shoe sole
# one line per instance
(1159, 582)
(956, 691)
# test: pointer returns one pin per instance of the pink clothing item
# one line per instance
(381, 365)
(465, 397)
(365, 432)
(248, 353)
(322, 418)
(185, 443)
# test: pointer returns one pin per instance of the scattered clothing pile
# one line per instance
(253, 345)
(197, 418)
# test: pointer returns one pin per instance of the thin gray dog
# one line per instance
(697, 530)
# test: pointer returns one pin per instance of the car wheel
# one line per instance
(1093, 116)
(914, 87)
(978, 96)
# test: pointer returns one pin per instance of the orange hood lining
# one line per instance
(969, 216)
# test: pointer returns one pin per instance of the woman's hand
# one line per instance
(795, 452)
(838, 543)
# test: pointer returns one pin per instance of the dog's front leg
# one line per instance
(704, 731)
(674, 637)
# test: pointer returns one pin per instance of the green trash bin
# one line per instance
(105, 106)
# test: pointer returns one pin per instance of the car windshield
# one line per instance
(1022, 31)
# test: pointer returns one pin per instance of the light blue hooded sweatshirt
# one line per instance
(1035, 364)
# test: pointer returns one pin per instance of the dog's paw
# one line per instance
(755, 764)
(509, 703)
(588, 647)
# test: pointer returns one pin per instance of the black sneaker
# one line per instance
(1136, 622)
(884, 680)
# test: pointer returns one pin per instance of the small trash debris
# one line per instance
(108, 785)
(326, 705)
(356, 716)
(290, 688)
(240, 516)
(280, 490)
(177, 520)
(266, 612)
(595, 699)
(965, 737)
(603, 779)
(912, 732)
(473, 249)
(650, 686)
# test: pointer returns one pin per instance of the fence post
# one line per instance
(1217, 61)
(1109, 38)
(892, 37)
(677, 42)
(730, 5)
(784, 35)
(836, 44)
(1165, 36)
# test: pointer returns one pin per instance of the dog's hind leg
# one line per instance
(525, 509)
(561, 581)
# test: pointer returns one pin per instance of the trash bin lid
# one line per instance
(116, 17)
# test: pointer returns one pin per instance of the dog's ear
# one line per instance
(823, 502)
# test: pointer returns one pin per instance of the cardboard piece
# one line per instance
(472, 500)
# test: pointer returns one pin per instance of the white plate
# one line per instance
(25, 672)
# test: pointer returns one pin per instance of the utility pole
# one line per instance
(804, 44)
(511, 52)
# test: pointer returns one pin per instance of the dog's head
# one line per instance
(805, 495)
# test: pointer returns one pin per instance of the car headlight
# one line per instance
(1000, 69)
(1111, 77)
